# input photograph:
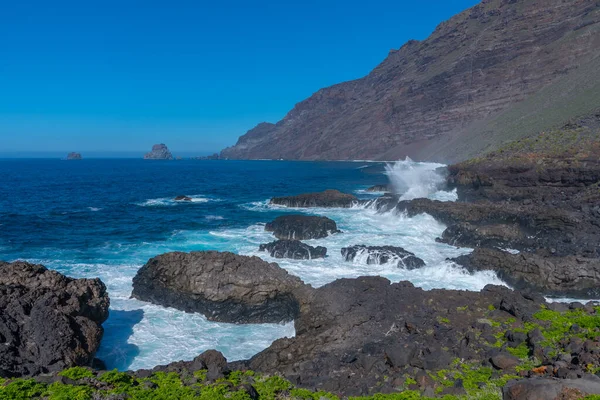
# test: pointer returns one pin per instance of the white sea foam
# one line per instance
(412, 180)
(94, 209)
(262, 206)
(366, 226)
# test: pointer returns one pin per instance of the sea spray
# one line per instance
(412, 180)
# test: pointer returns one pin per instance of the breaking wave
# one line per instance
(412, 180)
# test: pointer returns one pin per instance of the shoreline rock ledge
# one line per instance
(329, 198)
(301, 227)
(48, 322)
(159, 152)
(224, 287)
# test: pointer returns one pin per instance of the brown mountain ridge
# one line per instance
(497, 72)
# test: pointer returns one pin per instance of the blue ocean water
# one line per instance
(105, 218)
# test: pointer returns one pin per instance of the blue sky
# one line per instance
(121, 75)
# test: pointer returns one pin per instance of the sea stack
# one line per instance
(74, 156)
(159, 152)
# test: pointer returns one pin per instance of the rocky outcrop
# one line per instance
(524, 227)
(48, 322)
(301, 227)
(569, 276)
(383, 255)
(293, 249)
(225, 287)
(212, 361)
(495, 72)
(550, 389)
(328, 198)
(74, 156)
(355, 331)
(159, 152)
(182, 198)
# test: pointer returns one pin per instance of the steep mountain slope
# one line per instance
(501, 70)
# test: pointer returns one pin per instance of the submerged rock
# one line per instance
(293, 249)
(328, 198)
(383, 255)
(74, 156)
(225, 287)
(159, 152)
(48, 322)
(182, 198)
(569, 276)
(301, 227)
(380, 188)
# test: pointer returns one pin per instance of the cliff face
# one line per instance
(500, 70)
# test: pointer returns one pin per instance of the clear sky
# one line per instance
(120, 75)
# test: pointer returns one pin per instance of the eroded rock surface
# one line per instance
(354, 331)
(301, 227)
(328, 198)
(569, 276)
(48, 322)
(293, 249)
(550, 389)
(383, 255)
(225, 287)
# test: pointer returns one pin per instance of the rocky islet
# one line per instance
(159, 152)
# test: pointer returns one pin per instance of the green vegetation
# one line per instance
(77, 373)
(480, 384)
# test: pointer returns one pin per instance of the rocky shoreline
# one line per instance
(531, 215)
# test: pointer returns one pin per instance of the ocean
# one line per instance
(106, 217)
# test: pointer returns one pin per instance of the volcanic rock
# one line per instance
(294, 249)
(380, 188)
(505, 225)
(225, 287)
(569, 276)
(353, 331)
(182, 198)
(159, 152)
(383, 255)
(550, 389)
(48, 322)
(74, 156)
(328, 198)
(301, 227)
(504, 361)
(212, 361)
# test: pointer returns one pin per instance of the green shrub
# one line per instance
(77, 373)
(59, 391)
(22, 389)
